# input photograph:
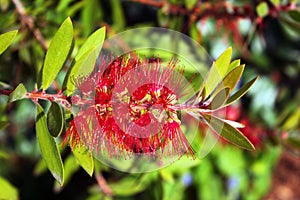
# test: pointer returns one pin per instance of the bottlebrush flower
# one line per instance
(133, 106)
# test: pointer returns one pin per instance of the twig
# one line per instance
(29, 22)
(103, 185)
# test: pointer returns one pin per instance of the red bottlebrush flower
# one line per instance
(128, 108)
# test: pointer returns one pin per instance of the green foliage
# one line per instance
(84, 158)
(7, 191)
(57, 53)
(18, 93)
(262, 9)
(6, 39)
(55, 119)
(228, 132)
(48, 146)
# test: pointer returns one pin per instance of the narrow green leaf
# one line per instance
(48, 146)
(219, 99)
(241, 92)
(3, 124)
(218, 71)
(233, 65)
(18, 93)
(70, 167)
(7, 190)
(295, 15)
(6, 39)
(96, 39)
(117, 15)
(40, 167)
(84, 158)
(228, 132)
(82, 68)
(262, 9)
(57, 53)
(55, 119)
(231, 79)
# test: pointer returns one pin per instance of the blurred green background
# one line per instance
(264, 34)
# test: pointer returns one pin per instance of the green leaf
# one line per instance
(85, 59)
(218, 71)
(84, 158)
(82, 68)
(231, 79)
(96, 39)
(295, 15)
(7, 190)
(262, 9)
(40, 167)
(6, 39)
(219, 99)
(233, 65)
(117, 15)
(70, 167)
(3, 124)
(48, 146)
(228, 132)
(241, 92)
(190, 3)
(57, 53)
(55, 119)
(18, 93)
(276, 2)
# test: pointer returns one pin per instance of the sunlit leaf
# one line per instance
(241, 92)
(18, 93)
(231, 79)
(57, 53)
(84, 158)
(6, 39)
(96, 39)
(233, 65)
(228, 132)
(48, 146)
(55, 119)
(81, 69)
(7, 190)
(262, 9)
(85, 59)
(217, 71)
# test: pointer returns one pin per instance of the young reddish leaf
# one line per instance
(48, 146)
(55, 119)
(219, 99)
(18, 93)
(6, 39)
(228, 132)
(241, 92)
(57, 53)
(217, 71)
(84, 158)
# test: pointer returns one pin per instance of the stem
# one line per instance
(103, 184)
(63, 100)
(29, 22)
